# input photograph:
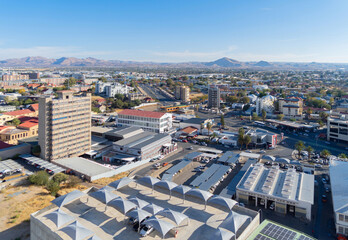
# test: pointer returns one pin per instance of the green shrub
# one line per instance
(39, 178)
(60, 177)
(53, 187)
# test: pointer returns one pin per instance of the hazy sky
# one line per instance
(176, 30)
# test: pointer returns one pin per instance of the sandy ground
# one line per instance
(17, 203)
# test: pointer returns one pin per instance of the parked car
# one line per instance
(241, 204)
(323, 180)
(324, 198)
(190, 148)
(272, 206)
(184, 140)
(262, 151)
(146, 230)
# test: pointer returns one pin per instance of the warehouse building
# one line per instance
(143, 146)
(339, 183)
(287, 191)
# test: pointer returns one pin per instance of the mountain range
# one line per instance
(222, 63)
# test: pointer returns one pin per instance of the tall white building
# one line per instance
(265, 103)
(110, 89)
(157, 122)
(337, 128)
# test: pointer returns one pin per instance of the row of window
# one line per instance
(135, 123)
(343, 218)
(121, 117)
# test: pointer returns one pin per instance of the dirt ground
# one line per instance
(17, 203)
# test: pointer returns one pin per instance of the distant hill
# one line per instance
(222, 63)
(263, 64)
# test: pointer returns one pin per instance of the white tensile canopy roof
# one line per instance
(283, 160)
(59, 217)
(234, 221)
(176, 217)
(105, 194)
(200, 193)
(149, 181)
(222, 201)
(182, 190)
(94, 237)
(67, 198)
(120, 183)
(152, 208)
(76, 231)
(167, 184)
(122, 205)
(139, 214)
(221, 234)
(160, 225)
(139, 202)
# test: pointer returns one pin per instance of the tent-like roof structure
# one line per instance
(122, 205)
(268, 158)
(139, 214)
(94, 237)
(234, 221)
(222, 201)
(221, 234)
(176, 217)
(76, 231)
(59, 217)
(152, 208)
(182, 190)
(120, 183)
(139, 202)
(105, 194)
(283, 160)
(200, 194)
(67, 198)
(160, 225)
(148, 180)
(167, 184)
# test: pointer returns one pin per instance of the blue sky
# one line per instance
(176, 30)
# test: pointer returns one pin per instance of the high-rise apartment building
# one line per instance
(182, 93)
(14, 77)
(64, 125)
(214, 97)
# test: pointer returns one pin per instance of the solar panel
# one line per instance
(262, 237)
(303, 237)
(278, 232)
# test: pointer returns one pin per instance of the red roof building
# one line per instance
(17, 113)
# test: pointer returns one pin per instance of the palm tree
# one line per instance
(209, 126)
(310, 150)
(325, 153)
(241, 131)
(247, 140)
(264, 115)
(299, 146)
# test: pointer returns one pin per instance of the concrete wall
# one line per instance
(39, 231)
(12, 151)
(251, 228)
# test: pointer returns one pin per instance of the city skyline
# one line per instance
(180, 31)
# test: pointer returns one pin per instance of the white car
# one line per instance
(146, 230)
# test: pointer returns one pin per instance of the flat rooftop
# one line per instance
(339, 182)
(112, 224)
(287, 185)
(141, 140)
(83, 166)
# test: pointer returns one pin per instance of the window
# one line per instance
(346, 218)
(340, 217)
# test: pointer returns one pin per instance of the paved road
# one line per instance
(155, 93)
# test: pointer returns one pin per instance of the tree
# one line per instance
(21, 91)
(342, 155)
(60, 177)
(209, 126)
(28, 101)
(247, 140)
(264, 114)
(310, 150)
(245, 100)
(321, 123)
(16, 122)
(39, 178)
(36, 150)
(241, 136)
(103, 79)
(280, 116)
(299, 146)
(241, 131)
(70, 82)
(255, 117)
(73, 181)
(323, 116)
(231, 99)
(325, 153)
(53, 187)
(222, 120)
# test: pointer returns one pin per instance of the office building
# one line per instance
(337, 128)
(214, 97)
(287, 191)
(265, 103)
(291, 107)
(157, 122)
(14, 77)
(182, 93)
(64, 125)
(339, 182)
(111, 89)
